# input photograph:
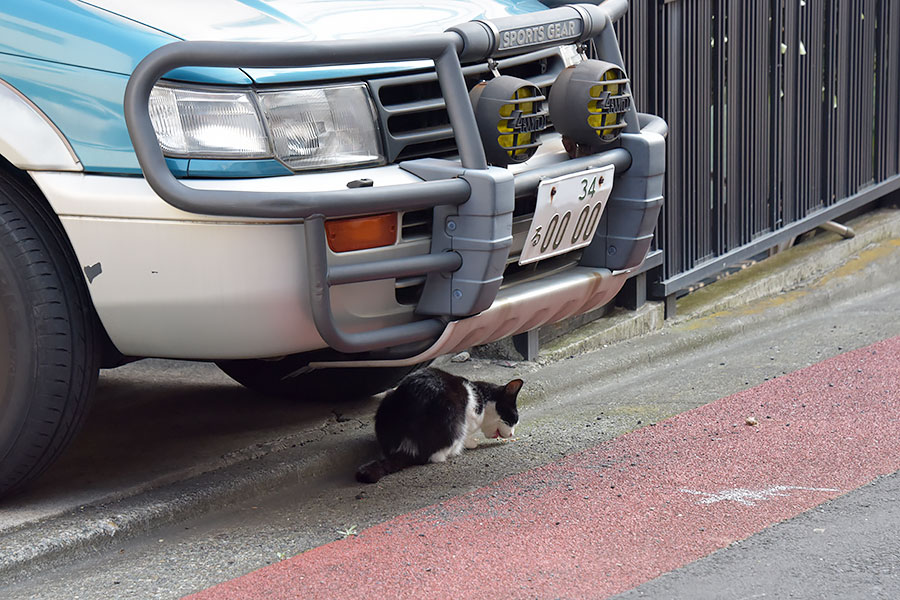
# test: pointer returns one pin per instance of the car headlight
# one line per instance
(207, 124)
(323, 127)
(310, 128)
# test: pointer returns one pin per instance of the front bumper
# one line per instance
(464, 269)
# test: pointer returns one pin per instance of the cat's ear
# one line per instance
(512, 388)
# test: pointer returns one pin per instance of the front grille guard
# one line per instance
(460, 282)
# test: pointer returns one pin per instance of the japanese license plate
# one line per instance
(567, 213)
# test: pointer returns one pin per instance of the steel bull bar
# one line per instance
(463, 276)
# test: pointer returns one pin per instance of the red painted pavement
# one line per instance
(607, 519)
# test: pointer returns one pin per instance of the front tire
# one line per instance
(291, 377)
(49, 351)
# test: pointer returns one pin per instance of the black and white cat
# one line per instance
(432, 415)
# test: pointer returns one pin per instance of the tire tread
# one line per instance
(65, 328)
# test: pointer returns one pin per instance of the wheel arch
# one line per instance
(110, 355)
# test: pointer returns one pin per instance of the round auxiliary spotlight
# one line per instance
(510, 114)
(588, 102)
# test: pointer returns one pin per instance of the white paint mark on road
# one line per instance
(751, 497)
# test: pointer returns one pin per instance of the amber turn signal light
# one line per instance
(359, 233)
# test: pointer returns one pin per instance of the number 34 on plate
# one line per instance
(567, 213)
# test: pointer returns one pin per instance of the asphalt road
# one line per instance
(155, 414)
(623, 512)
(847, 548)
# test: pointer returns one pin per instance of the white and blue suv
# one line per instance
(316, 195)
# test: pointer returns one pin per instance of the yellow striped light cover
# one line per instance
(510, 114)
(588, 102)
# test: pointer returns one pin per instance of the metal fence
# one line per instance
(783, 114)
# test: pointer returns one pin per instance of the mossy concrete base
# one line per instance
(816, 257)
(620, 324)
(803, 264)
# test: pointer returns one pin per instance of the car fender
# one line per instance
(28, 138)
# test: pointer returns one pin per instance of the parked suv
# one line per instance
(317, 196)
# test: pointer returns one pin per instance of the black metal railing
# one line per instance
(782, 115)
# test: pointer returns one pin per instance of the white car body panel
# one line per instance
(182, 285)
(179, 285)
(85, 195)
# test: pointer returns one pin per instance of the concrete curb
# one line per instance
(798, 266)
(90, 529)
(68, 537)
(806, 262)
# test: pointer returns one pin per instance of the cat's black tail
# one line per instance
(375, 470)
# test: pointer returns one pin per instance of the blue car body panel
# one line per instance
(72, 59)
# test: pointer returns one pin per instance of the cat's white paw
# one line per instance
(440, 456)
(471, 442)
